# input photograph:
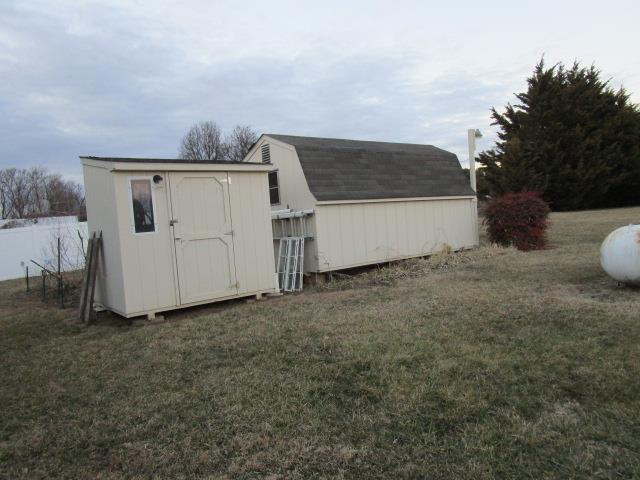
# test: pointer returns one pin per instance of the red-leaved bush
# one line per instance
(518, 219)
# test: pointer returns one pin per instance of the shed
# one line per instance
(178, 233)
(372, 202)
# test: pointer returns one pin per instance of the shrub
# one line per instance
(518, 219)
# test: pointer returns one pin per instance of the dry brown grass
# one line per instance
(486, 364)
(387, 275)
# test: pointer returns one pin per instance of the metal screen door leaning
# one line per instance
(291, 264)
(201, 218)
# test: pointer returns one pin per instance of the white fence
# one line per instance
(18, 246)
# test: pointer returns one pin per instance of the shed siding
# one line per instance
(138, 274)
(251, 221)
(294, 191)
(147, 259)
(352, 234)
(99, 194)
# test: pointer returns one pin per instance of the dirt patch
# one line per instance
(604, 291)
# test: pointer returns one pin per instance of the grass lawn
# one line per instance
(489, 364)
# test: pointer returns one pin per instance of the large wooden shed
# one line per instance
(178, 233)
(372, 202)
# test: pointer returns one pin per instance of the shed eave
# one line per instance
(177, 166)
(395, 199)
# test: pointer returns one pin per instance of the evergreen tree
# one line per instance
(571, 137)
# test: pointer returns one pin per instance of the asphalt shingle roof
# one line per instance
(338, 169)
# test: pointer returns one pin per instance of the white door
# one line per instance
(201, 219)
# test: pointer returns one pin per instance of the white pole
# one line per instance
(471, 135)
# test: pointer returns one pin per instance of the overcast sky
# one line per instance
(128, 78)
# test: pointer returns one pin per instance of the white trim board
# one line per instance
(384, 200)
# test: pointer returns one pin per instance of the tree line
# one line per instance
(36, 192)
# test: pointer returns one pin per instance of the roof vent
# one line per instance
(266, 153)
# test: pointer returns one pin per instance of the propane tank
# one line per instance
(620, 255)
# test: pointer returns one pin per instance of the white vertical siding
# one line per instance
(294, 191)
(147, 259)
(102, 216)
(138, 272)
(351, 234)
(252, 237)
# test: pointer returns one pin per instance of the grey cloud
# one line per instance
(117, 91)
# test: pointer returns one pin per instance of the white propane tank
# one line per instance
(620, 254)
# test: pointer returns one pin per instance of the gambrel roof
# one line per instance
(338, 169)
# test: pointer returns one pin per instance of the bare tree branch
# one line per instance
(36, 192)
(20, 192)
(203, 142)
(5, 194)
(37, 178)
(64, 197)
(240, 141)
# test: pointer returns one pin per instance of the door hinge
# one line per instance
(172, 222)
(230, 232)
(235, 285)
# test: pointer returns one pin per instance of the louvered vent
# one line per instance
(266, 153)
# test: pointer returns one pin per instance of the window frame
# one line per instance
(132, 215)
(277, 187)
